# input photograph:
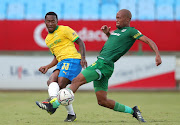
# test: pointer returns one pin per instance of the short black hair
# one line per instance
(51, 13)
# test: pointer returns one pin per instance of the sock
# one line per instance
(123, 108)
(70, 110)
(53, 89)
(55, 103)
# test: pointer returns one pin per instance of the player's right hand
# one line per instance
(105, 29)
(43, 69)
(83, 62)
(158, 60)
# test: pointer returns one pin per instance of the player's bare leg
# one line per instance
(111, 104)
(103, 101)
(52, 89)
(77, 82)
(53, 77)
(55, 87)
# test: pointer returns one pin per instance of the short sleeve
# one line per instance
(136, 34)
(71, 34)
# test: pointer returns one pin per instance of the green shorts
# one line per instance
(99, 72)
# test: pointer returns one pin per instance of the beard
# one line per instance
(119, 27)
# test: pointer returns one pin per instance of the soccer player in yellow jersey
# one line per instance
(60, 41)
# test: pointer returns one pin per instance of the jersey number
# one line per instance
(65, 66)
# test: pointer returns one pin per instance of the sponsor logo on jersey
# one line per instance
(116, 34)
(64, 72)
(74, 34)
(136, 35)
(54, 43)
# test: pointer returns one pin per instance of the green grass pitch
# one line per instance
(158, 108)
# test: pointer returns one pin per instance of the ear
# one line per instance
(128, 20)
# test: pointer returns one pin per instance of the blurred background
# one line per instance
(23, 50)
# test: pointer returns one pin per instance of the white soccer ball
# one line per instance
(65, 97)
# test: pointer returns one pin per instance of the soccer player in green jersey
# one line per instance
(118, 43)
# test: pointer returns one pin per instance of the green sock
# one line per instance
(55, 103)
(122, 108)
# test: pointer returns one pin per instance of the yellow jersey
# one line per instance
(61, 43)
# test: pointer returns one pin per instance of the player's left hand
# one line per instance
(158, 60)
(83, 62)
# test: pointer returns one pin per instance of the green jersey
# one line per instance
(118, 43)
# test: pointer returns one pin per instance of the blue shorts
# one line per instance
(69, 68)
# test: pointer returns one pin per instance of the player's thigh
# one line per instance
(101, 85)
(53, 77)
(63, 82)
(90, 74)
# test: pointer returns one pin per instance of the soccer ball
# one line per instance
(65, 97)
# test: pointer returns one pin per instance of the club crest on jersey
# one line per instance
(123, 30)
(55, 35)
(116, 34)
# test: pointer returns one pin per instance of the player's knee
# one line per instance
(48, 82)
(62, 85)
(79, 80)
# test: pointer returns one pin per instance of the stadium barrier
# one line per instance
(131, 72)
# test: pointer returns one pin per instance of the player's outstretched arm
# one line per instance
(44, 69)
(153, 47)
(106, 30)
(82, 51)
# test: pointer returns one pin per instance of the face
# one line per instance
(51, 23)
(121, 20)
